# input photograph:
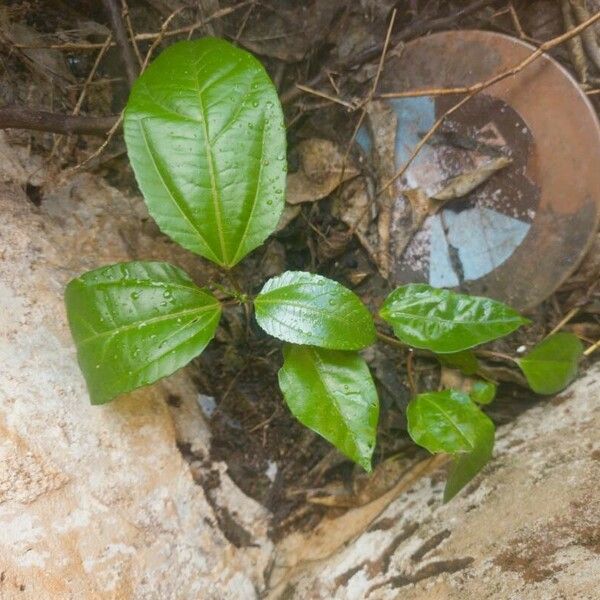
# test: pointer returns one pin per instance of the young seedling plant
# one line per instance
(206, 139)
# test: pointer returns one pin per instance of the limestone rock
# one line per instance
(527, 528)
(98, 502)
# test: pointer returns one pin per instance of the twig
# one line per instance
(116, 126)
(575, 46)
(370, 95)
(413, 30)
(130, 32)
(390, 341)
(588, 36)
(515, 19)
(118, 27)
(410, 374)
(98, 151)
(140, 37)
(592, 348)
(159, 38)
(478, 87)
(326, 96)
(496, 355)
(83, 92)
(40, 120)
(564, 321)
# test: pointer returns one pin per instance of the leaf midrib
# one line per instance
(152, 320)
(183, 212)
(324, 378)
(454, 425)
(334, 316)
(419, 317)
(212, 176)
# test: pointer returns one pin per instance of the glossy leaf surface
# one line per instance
(332, 393)
(443, 321)
(552, 364)
(205, 136)
(134, 323)
(483, 392)
(449, 422)
(303, 308)
(466, 361)
(466, 466)
(445, 421)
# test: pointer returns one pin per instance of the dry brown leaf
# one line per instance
(463, 184)
(321, 171)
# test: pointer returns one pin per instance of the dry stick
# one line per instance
(572, 313)
(515, 19)
(592, 348)
(244, 21)
(370, 95)
(140, 37)
(127, 18)
(41, 120)
(363, 112)
(116, 126)
(118, 27)
(478, 87)
(588, 36)
(575, 46)
(86, 84)
(308, 90)
(412, 31)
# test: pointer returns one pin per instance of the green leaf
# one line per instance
(332, 393)
(134, 323)
(466, 466)
(552, 364)
(483, 392)
(303, 308)
(205, 136)
(449, 422)
(445, 421)
(443, 321)
(465, 361)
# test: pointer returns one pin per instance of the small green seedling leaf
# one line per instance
(443, 321)
(332, 393)
(466, 466)
(134, 323)
(205, 135)
(466, 361)
(483, 392)
(449, 422)
(303, 308)
(445, 421)
(552, 364)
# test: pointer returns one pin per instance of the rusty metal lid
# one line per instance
(519, 235)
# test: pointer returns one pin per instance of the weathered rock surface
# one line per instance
(98, 502)
(527, 528)
(122, 501)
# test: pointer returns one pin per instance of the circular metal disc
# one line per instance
(520, 234)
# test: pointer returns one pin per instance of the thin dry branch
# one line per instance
(117, 24)
(140, 37)
(39, 120)
(476, 88)
(414, 30)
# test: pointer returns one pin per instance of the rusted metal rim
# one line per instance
(521, 234)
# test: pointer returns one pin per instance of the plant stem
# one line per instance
(391, 341)
(492, 354)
